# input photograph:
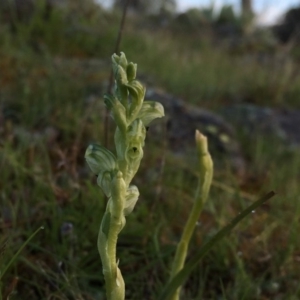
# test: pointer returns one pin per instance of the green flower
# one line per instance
(103, 163)
(100, 159)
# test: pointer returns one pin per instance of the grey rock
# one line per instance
(221, 128)
(183, 120)
(253, 120)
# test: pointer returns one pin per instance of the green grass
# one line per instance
(48, 118)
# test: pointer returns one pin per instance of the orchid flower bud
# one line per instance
(115, 64)
(118, 111)
(123, 61)
(131, 71)
(119, 64)
(115, 59)
(118, 61)
(137, 93)
(121, 76)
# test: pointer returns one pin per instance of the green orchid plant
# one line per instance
(115, 172)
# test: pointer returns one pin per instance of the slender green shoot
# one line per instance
(205, 179)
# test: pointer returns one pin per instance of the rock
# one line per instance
(289, 125)
(183, 120)
(254, 120)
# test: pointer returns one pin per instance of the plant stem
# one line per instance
(112, 223)
(205, 179)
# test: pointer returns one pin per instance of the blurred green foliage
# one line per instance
(53, 71)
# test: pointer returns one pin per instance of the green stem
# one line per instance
(112, 223)
(102, 248)
(205, 179)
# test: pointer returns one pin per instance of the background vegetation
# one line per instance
(54, 69)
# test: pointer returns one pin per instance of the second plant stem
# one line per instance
(205, 179)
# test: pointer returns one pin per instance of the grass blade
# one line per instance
(19, 251)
